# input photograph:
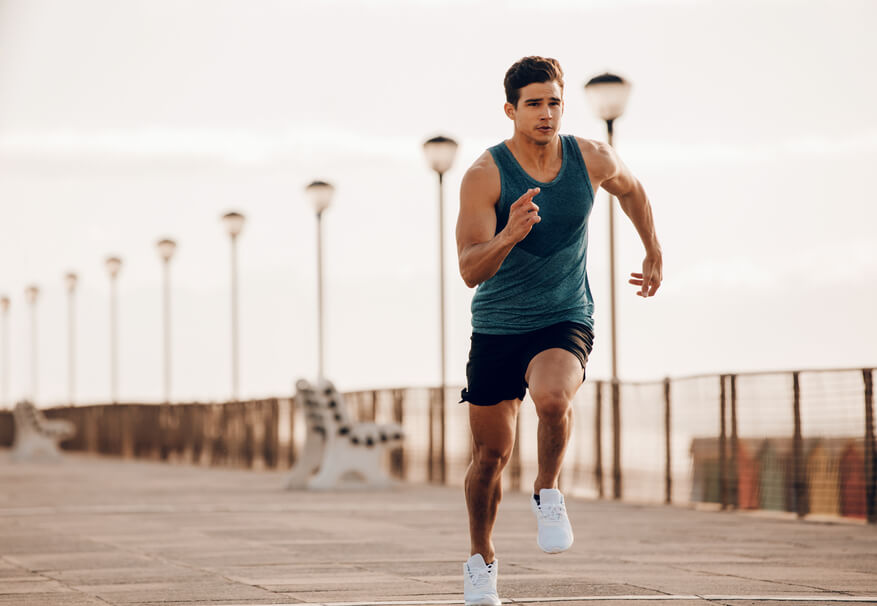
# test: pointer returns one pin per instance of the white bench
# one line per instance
(37, 437)
(337, 449)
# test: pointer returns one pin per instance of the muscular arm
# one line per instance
(613, 176)
(480, 249)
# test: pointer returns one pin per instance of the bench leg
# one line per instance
(308, 463)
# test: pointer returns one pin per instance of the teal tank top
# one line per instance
(543, 280)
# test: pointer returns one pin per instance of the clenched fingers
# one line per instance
(523, 215)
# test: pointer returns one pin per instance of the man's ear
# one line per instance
(509, 110)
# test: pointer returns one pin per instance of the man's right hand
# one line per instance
(523, 215)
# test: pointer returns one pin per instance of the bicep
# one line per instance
(621, 181)
(476, 222)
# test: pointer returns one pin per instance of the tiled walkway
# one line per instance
(103, 531)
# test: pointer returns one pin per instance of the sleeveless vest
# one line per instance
(543, 280)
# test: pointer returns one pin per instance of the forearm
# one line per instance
(480, 262)
(635, 205)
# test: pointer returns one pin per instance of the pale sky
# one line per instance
(751, 125)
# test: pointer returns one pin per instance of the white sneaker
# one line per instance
(555, 533)
(479, 582)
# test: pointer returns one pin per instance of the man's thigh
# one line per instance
(554, 371)
(493, 427)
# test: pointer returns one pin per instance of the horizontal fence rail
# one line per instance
(800, 442)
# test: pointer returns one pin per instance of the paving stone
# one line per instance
(31, 585)
(62, 561)
(216, 589)
(143, 574)
(50, 599)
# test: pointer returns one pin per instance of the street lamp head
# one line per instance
(31, 293)
(320, 194)
(114, 264)
(234, 223)
(166, 248)
(440, 152)
(70, 280)
(4, 303)
(607, 94)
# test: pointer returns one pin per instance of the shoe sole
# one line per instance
(554, 550)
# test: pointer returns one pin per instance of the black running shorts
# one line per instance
(498, 363)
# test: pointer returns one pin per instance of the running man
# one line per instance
(522, 239)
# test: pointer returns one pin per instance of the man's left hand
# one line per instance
(650, 279)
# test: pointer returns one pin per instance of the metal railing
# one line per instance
(797, 441)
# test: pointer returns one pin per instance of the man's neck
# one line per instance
(533, 154)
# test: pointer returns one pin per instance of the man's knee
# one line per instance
(551, 403)
(491, 460)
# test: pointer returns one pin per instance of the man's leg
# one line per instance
(554, 376)
(493, 435)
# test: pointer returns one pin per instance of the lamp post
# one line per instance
(234, 223)
(320, 194)
(113, 265)
(31, 293)
(440, 152)
(4, 394)
(607, 94)
(70, 280)
(166, 248)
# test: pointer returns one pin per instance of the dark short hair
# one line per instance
(527, 71)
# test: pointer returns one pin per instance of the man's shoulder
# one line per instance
(484, 168)
(598, 156)
(591, 147)
(482, 178)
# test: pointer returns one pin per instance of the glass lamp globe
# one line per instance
(234, 223)
(607, 95)
(320, 194)
(31, 293)
(166, 248)
(440, 152)
(114, 264)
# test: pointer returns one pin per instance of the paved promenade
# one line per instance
(102, 531)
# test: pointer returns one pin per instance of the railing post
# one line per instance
(437, 463)
(616, 442)
(292, 452)
(398, 461)
(443, 429)
(272, 434)
(723, 474)
(798, 450)
(734, 497)
(430, 419)
(598, 439)
(870, 463)
(668, 477)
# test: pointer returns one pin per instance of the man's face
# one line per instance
(537, 115)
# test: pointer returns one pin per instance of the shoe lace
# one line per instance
(480, 578)
(553, 512)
